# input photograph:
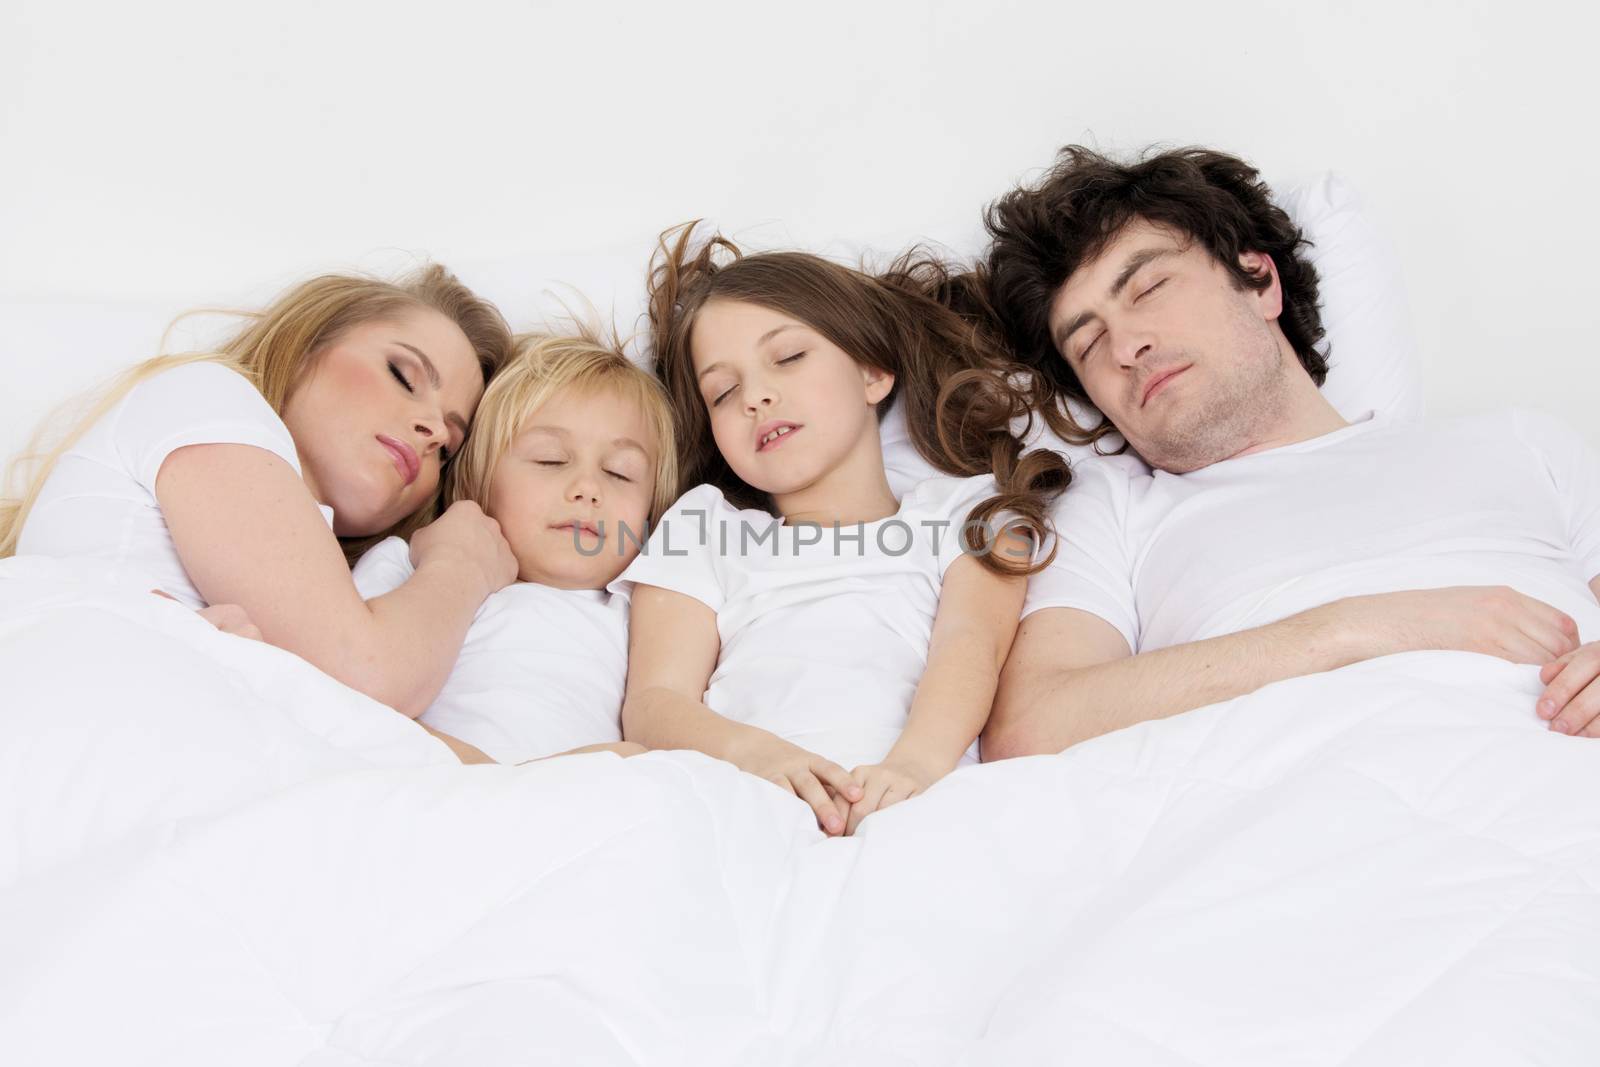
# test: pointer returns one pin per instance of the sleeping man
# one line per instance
(1273, 538)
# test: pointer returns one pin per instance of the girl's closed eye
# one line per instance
(791, 359)
(723, 395)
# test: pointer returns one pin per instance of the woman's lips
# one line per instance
(404, 456)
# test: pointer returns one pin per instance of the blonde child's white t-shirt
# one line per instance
(99, 501)
(541, 671)
(824, 633)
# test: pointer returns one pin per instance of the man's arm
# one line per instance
(1070, 676)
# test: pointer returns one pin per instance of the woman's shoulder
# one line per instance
(203, 381)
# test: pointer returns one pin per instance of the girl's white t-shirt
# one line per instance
(541, 671)
(99, 502)
(824, 630)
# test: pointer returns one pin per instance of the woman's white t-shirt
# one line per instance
(824, 630)
(542, 669)
(99, 502)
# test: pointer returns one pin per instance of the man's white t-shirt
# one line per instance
(99, 502)
(824, 634)
(1507, 499)
(542, 669)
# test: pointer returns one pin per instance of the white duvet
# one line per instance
(212, 854)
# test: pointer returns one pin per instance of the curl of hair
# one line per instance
(273, 349)
(1041, 234)
(961, 392)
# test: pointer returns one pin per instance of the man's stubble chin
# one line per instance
(1235, 414)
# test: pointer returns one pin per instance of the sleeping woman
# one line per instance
(250, 476)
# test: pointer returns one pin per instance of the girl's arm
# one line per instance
(249, 533)
(672, 649)
(972, 633)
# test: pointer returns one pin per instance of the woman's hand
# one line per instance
(883, 784)
(229, 618)
(464, 535)
(621, 748)
(821, 783)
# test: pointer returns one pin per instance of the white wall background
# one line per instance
(173, 153)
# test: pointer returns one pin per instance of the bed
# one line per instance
(212, 853)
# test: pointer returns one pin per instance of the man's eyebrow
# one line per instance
(1129, 269)
(1064, 334)
(1135, 261)
(454, 418)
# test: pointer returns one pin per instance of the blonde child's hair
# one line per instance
(542, 365)
(273, 350)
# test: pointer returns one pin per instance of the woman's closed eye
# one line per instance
(791, 359)
(400, 376)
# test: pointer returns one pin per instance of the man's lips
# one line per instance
(1155, 384)
(763, 445)
(404, 456)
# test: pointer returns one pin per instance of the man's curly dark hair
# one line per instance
(1042, 233)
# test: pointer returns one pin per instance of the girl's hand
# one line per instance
(468, 536)
(887, 783)
(821, 783)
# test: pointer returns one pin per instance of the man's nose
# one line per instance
(1132, 346)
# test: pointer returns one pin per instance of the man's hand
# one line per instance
(887, 783)
(1493, 620)
(1571, 697)
(821, 783)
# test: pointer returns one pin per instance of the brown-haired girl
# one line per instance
(790, 614)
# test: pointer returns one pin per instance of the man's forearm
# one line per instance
(1057, 709)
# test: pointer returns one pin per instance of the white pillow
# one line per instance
(1373, 363)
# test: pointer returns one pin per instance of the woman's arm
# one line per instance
(673, 646)
(249, 533)
(972, 633)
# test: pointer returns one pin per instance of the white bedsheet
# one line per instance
(212, 854)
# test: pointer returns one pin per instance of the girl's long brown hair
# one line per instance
(960, 389)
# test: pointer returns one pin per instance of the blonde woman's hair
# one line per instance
(542, 365)
(273, 350)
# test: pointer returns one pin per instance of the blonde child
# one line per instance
(572, 454)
